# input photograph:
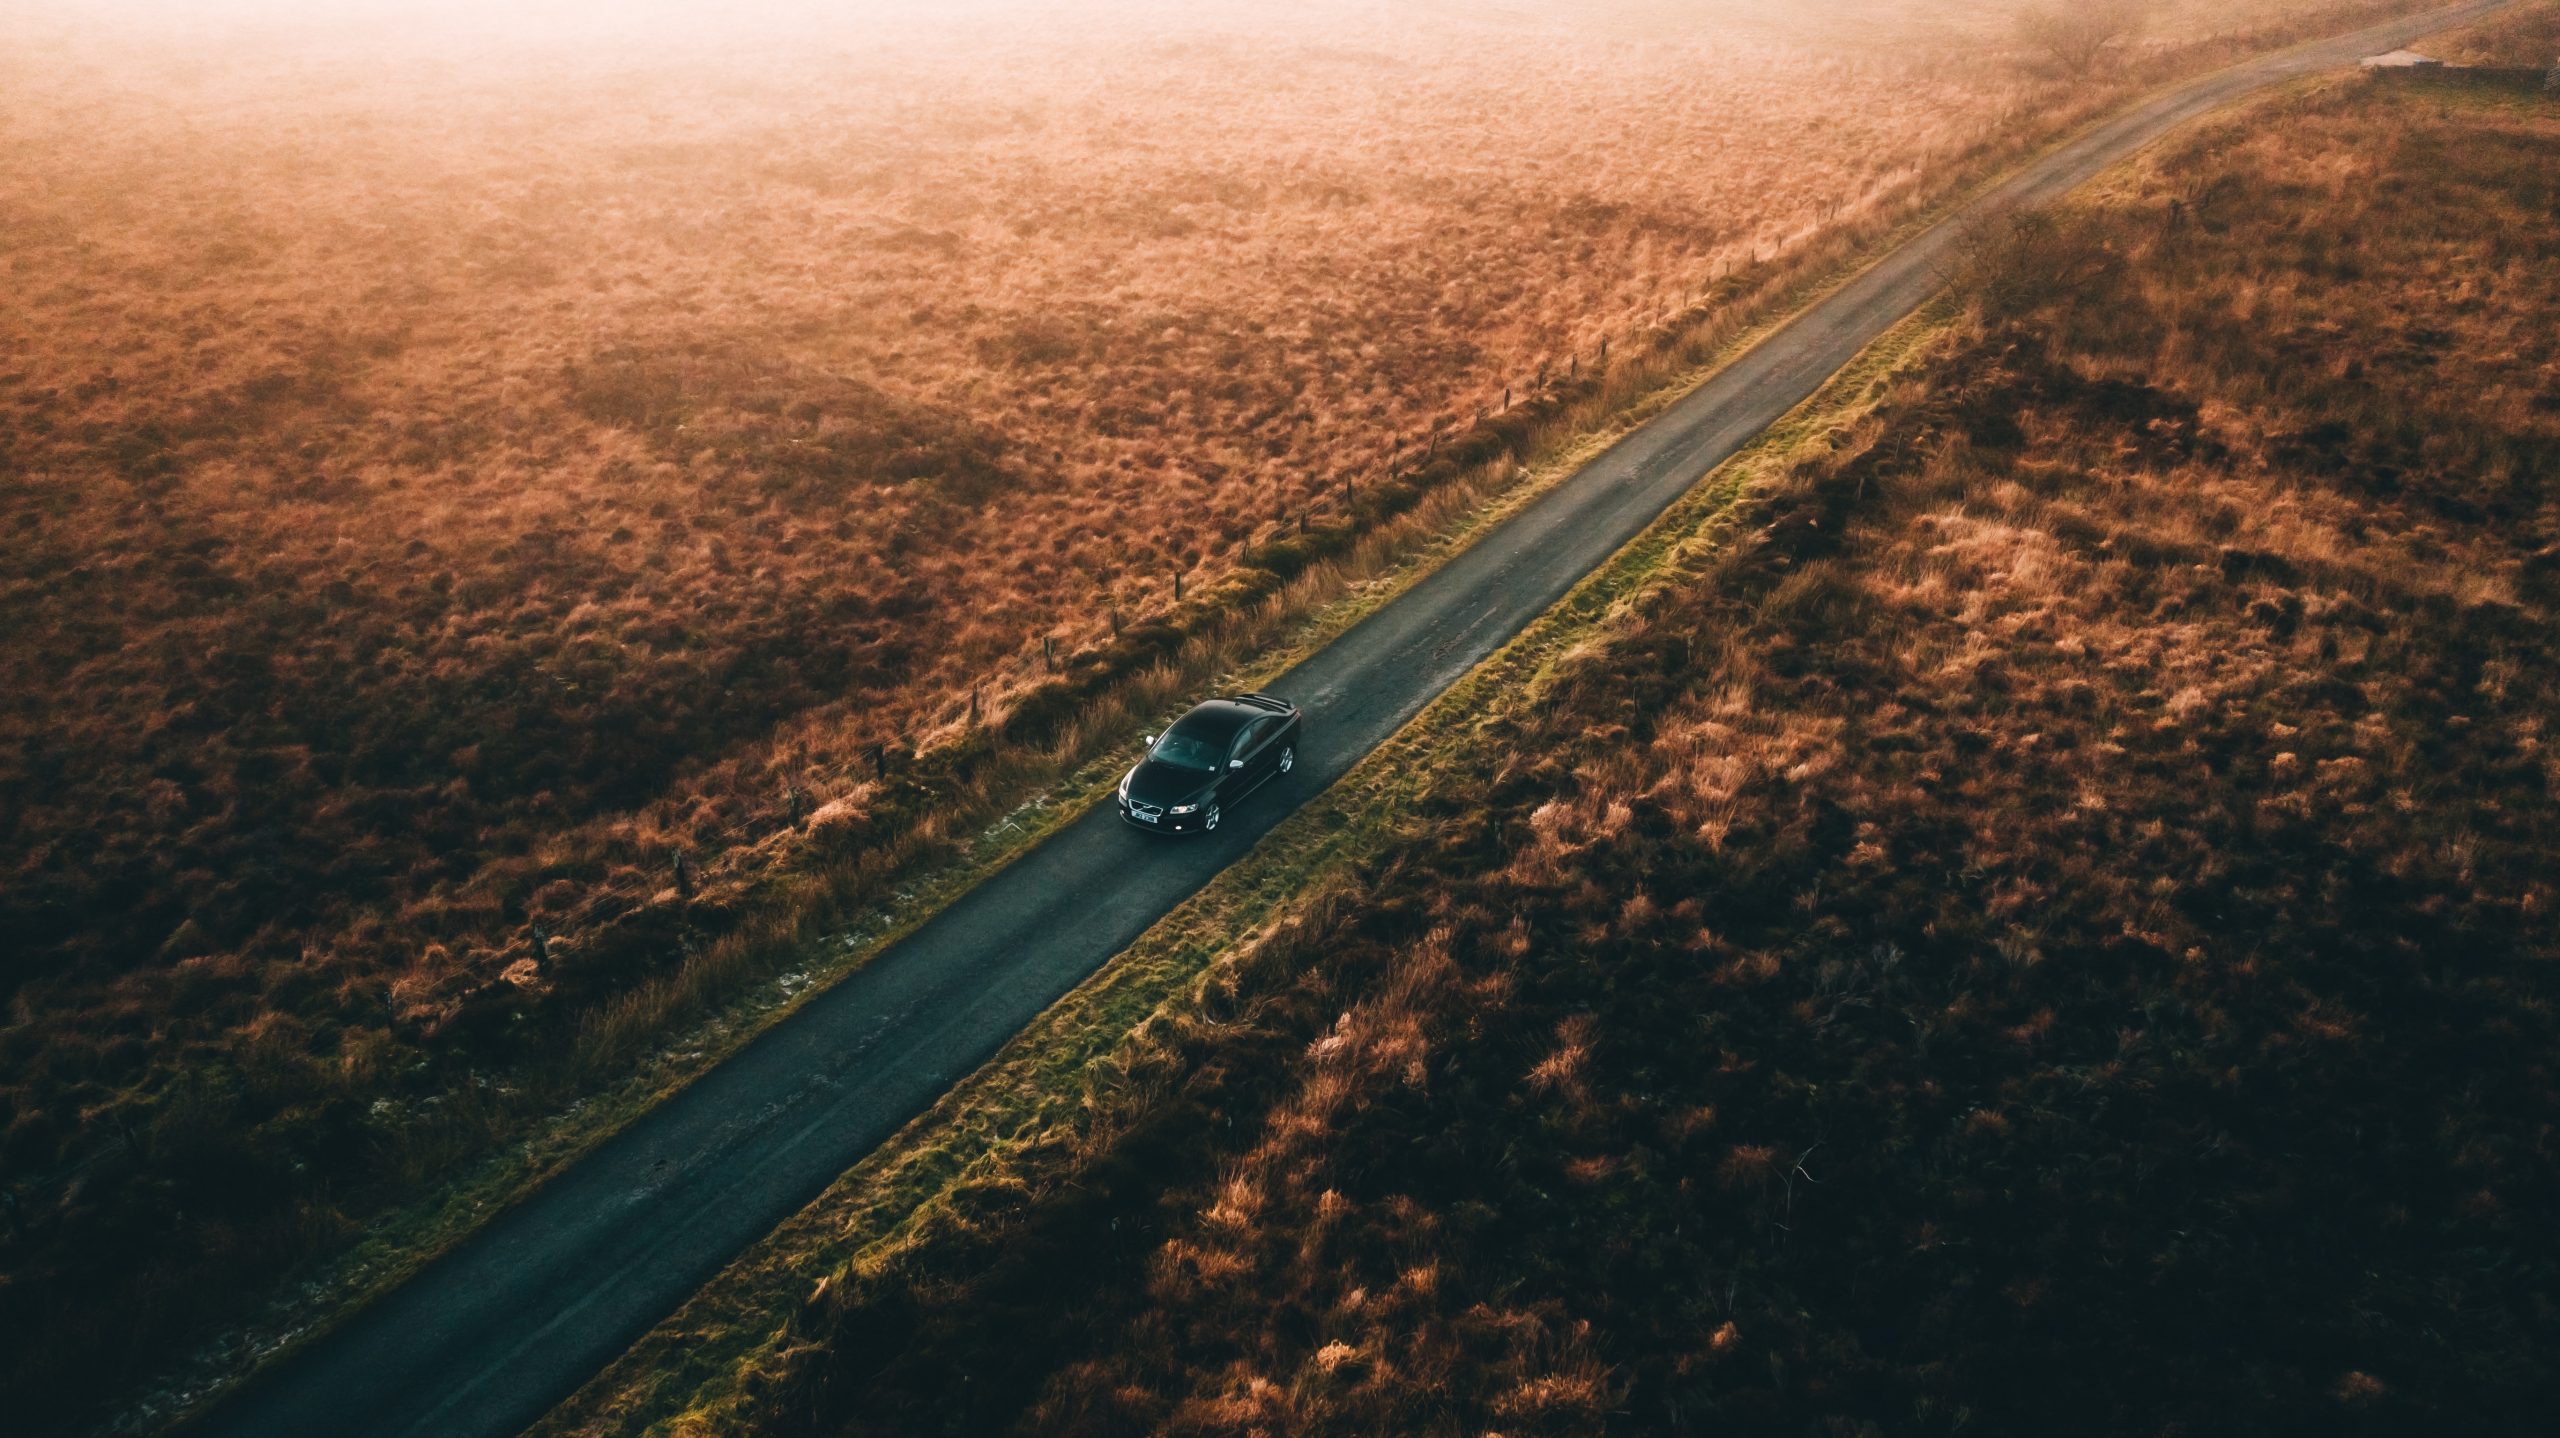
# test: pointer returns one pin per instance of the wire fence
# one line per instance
(706, 857)
(969, 706)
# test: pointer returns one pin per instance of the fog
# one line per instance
(235, 64)
(261, 40)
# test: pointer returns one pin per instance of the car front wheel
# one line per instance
(1288, 760)
(1210, 820)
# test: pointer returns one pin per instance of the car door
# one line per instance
(1253, 746)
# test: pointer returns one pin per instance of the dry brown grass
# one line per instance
(447, 480)
(2055, 934)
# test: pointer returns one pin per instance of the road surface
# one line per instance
(487, 1338)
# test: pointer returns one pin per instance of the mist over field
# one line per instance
(500, 502)
(506, 375)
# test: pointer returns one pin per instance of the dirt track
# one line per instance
(483, 1341)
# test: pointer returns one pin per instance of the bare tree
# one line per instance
(2014, 261)
(2073, 35)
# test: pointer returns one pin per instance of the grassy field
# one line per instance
(453, 472)
(2049, 930)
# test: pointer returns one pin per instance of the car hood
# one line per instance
(1168, 784)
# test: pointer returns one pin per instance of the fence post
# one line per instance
(1604, 348)
(1177, 586)
(1115, 622)
(974, 691)
(541, 948)
(684, 875)
(1048, 654)
(879, 761)
(796, 803)
(1506, 399)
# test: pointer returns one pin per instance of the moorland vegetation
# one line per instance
(2050, 929)
(448, 481)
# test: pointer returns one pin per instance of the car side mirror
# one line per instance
(1235, 763)
(1149, 741)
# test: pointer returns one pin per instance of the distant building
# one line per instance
(2401, 60)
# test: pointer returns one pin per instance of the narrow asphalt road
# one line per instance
(486, 1339)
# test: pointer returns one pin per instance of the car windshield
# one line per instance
(1188, 751)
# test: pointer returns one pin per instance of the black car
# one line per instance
(1221, 751)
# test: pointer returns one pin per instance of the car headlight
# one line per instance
(1184, 809)
(1124, 782)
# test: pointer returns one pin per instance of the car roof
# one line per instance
(1220, 719)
